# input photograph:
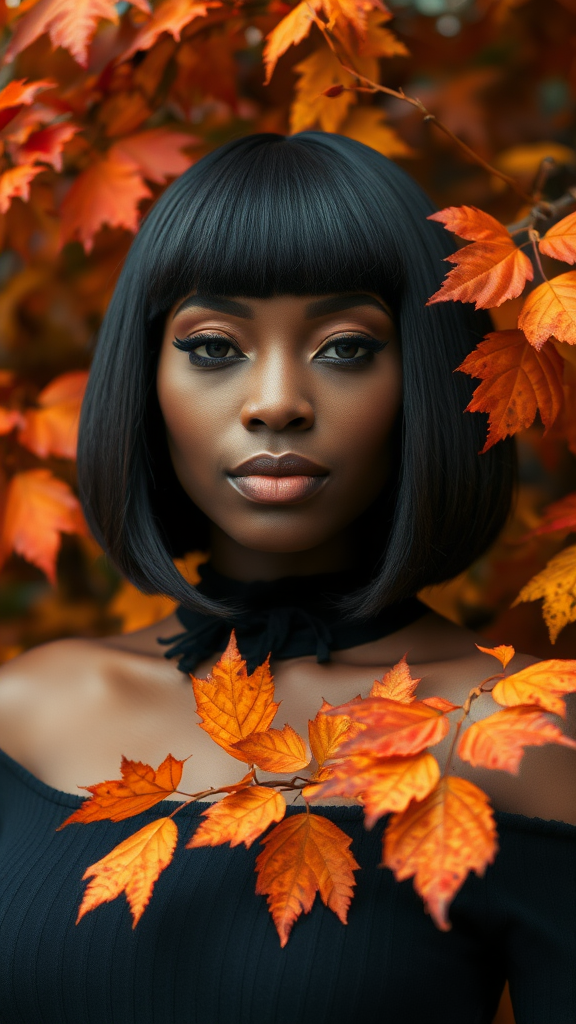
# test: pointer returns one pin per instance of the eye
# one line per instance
(351, 349)
(209, 350)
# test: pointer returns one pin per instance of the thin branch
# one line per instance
(370, 86)
(475, 692)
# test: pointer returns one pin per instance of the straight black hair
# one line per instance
(310, 214)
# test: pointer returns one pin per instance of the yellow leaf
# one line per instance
(310, 108)
(367, 125)
(556, 585)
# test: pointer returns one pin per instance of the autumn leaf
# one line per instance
(156, 153)
(52, 429)
(9, 419)
(318, 72)
(15, 183)
(326, 733)
(46, 145)
(132, 867)
(368, 125)
(170, 16)
(560, 516)
(556, 584)
(486, 273)
(471, 223)
(140, 788)
(18, 93)
(70, 24)
(288, 32)
(518, 382)
(499, 740)
(233, 704)
(304, 855)
(396, 684)
(107, 192)
(384, 784)
(541, 684)
(559, 242)
(391, 728)
(239, 818)
(439, 840)
(39, 507)
(275, 750)
(551, 310)
(504, 653)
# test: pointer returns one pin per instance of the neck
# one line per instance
(237, 562)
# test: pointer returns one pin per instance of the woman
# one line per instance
(270, 385)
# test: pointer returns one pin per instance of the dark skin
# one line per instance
(284, 382)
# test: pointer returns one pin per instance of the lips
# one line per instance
(278, 479)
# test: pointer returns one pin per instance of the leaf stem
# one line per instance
(475, 692)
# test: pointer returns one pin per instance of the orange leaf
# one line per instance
(239, 818)
(385, 784)
(540, 684)
(53, 428)
(559, 516)
(107, 192)
(556, 584)
(39, 507)
(233, 704)
(170, 16)
(499, 740)
(471, 223)
(316, 73)
(518, 382)
(560, 240)
(396, 684)
(275, 750)
(439, 841)
(393, 729)
(132, 867)
(326, 733)
(9, 418)
(45, 146)
(140, 788)
(18, 93)
(503, 653)
(156, 153)
(15, 182)
(288, 32)
(70, 24)
(486, 273)
(441, 704)
(551, 310)
(304, 855)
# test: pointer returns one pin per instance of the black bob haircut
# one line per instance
(310, 214)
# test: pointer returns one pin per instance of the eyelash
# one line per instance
(190, 345)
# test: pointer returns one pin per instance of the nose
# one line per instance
(276, 400)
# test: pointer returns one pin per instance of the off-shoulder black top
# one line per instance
(206, 952)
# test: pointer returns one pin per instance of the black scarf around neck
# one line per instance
(290, 617)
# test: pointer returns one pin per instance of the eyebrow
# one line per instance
(217, 304)
(338, 303)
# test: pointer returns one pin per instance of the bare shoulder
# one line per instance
(45, 682)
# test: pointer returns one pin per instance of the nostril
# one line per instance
(299, 421)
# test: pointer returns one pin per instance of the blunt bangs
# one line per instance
(273, 216)
(310, 214)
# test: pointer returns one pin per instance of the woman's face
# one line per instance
(278, 414)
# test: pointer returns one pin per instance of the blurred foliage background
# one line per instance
(501, 74)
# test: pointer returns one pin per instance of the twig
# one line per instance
(370, 86)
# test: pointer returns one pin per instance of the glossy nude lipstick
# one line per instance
(278, 479)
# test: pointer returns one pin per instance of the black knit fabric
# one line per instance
(289, 617)
(206, 951)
